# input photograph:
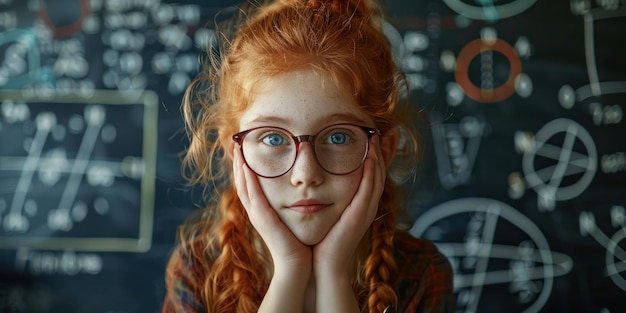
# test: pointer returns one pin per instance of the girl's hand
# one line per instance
(292, 259)
(336, 251)
(288, 253)
(333, 257)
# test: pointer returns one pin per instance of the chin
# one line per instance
(310, 242)
(310, 239)
(310, 232)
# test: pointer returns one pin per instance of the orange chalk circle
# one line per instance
(474, 49)
(66, 30)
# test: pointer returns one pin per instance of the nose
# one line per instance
(306, 171)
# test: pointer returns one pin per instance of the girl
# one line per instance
(295, 134)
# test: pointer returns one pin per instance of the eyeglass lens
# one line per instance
(271, 152)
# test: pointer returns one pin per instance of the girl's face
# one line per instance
(308, 199)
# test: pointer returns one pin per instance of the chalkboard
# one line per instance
(522, 185)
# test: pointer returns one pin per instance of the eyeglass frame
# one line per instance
(369, 132)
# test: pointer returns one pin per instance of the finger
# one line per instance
(374, 176)
(254, 192)
(359, 209)
(258, 205)
(375, 190)
(380, 168)
(240, 180)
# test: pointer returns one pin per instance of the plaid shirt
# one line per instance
(425, 277)
(424, 282)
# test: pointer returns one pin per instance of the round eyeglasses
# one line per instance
(272, 151)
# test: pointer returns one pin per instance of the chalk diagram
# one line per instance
(456, 148)
(73, 177)
(64, 44)
(172, 27)
(487, 69)
(21, 58)
(559, 162)
(615, 254)
(599, 93)
(500, 253)
(489, 9)
(611, 10)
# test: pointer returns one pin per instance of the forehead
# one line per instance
(302, 101)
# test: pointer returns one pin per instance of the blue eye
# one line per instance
(273, 140)
(338, 138)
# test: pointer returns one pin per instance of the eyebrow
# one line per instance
(331, 118)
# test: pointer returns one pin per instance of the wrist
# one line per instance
(289, 270)
(332, 274)
(335, 292)
(331, 267)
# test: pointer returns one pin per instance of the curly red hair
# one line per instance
(341, 39)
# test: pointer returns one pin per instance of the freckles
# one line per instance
(348, 183)
(270, 187)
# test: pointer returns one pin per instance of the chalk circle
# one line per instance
(474, 49)
(614, 269)
(553, 263)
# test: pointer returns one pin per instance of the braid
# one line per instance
(232, 281)
(380, 268)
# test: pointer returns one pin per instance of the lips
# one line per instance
(308, 206)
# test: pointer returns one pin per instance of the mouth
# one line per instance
(308, 206)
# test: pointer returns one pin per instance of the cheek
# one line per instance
(346, 186)
(271, 188)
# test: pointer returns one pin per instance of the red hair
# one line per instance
(341, 39)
